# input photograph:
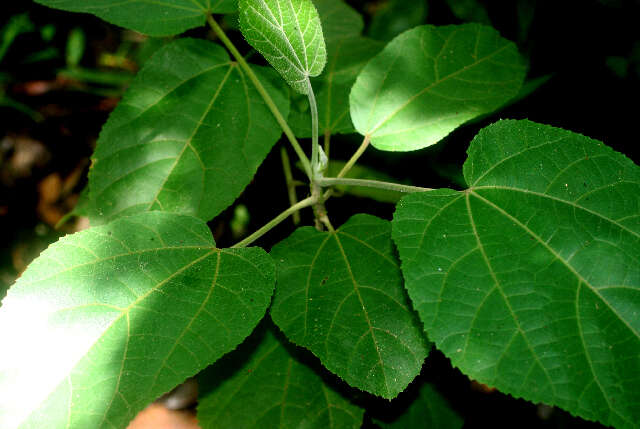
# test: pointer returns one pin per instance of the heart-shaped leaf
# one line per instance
(156, 18)
(429, 80)
(108, 319)
(265, 384)
(187, 137)
(289, 35)
(529, 280)
(340, 295)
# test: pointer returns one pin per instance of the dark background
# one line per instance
(590, 48)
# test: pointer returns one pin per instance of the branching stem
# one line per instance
(355, 157)
(315, 159)
(331, 181)
(307, 202)
(291, 185)
(263, 92)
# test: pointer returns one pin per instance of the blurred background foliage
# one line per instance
(61, 74)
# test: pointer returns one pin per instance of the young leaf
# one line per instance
(264, 384)
(187, 137)
(155, 18)
(340, 295)
(529, 281)
(108, 319)
(428, 410)
(289, 35)
(429, 80)
(346, 58)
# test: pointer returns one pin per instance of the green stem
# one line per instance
(331, 181)
(291, 187)
(327, 142)
(315, 161)
(355, 157)
(265, 95)
(307, 202)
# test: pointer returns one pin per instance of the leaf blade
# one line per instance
(530, 270)
(174, 139)
(166, 18)
(274, 382)
(445, 76)
(123, 312)
(288, 34)
(340, 295)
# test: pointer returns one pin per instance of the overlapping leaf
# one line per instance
(187, 137)
(108, 319)
(289, 35)
(340, 295)
(429, 411)
(153, 17)
(346, 57)
(529, 281)
(429, 80)
(264, 384)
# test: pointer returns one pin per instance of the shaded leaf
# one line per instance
(469, 10)
(264, 384)
(112, 317)
(529, 281)
(429, 80)
(395, 17)
(155, 18)
(428, 411)
(346, 58)
(340, 295)
(187, 137)
(289, 35)
(339, 20)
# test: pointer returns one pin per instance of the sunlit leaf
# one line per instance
(108, 319)
(340, 295)
(265, 384)
(187, 137)
(430, 80)
(156, 18)
(289, 35)
(529, 281)
(428, 411)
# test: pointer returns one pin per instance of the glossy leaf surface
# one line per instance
(430, 80)
(289, 35)
(265, 384)
(108, 319)
(152, 17)
(187, 137)
(428, 411)
(340, 295)
(529, 281)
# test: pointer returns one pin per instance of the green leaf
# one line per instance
(155, 18)
(187, 137)
(339, 20)
(346, 58)
(108, 319)
(340, 295)
(428, 410)
(289, 35)
(429, 80)
(529, 281)
(396, 16)
(265, 384)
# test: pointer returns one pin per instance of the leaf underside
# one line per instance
(152, 17)
(340, 295)
(529, 281)
(429, 80)
(187, 137)
(265, 384)
(288, 33)
(108, 319)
